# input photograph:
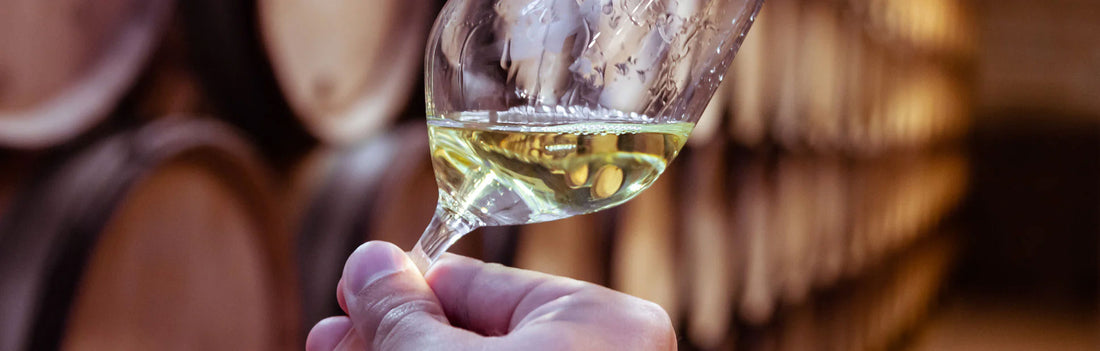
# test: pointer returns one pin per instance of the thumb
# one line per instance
(391, 305)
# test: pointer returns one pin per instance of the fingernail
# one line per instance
(371, 261)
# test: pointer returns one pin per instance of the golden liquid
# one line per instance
(510, 174)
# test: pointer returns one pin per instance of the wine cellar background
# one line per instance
(872, 174)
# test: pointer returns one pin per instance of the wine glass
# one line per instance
(544, 109)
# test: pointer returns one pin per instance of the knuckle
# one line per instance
(402, 319)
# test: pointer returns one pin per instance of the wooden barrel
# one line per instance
(862, 77)
(643, 255)
(854, 53)
(226, 54)
(163, 237)
(705, 260)
(830, 218)
(64, 65)
(783, 50)
(894, 201)
(792, 229)
(872, 312)
(346, 67)
(752, 207)
(748, 118)
(820, 69)
(381, 189)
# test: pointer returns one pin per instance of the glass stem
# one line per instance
(444, 230)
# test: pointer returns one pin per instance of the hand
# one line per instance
(466, 304)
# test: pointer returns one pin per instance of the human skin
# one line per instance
(466, 304)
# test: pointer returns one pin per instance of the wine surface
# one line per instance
(509, 173)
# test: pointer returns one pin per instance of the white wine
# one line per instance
(506, 173)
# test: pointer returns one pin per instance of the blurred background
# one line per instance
(873, 174)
